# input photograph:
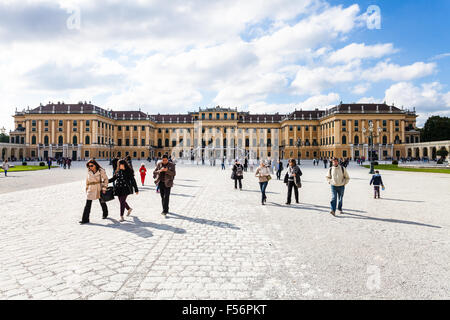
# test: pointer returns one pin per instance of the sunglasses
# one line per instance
(91, 165)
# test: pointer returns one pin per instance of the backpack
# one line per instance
(342, 168)
(239, 171)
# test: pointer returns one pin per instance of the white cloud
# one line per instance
(356, 51)
(394, 72)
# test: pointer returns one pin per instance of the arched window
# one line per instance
(344, 139)
(159, 143)
(356, 140)
(87, 140)
(166, 143)
(33, 140)
(74, 140)
(60, 140)
(384, 140)
(45, 139)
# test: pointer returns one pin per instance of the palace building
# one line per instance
(83, 130)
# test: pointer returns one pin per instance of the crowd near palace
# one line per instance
(82, 131)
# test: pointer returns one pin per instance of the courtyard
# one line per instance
(220, 243)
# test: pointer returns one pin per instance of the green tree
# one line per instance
(436, 129)
(4, 137)
(442, 152)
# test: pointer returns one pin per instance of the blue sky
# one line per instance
(261, 56)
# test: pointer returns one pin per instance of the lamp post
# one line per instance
(111, 145)
(298, 144)
(369, 133)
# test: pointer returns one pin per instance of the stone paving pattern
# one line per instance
(220, 243)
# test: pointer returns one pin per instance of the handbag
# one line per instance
(108, 195)
(269, 177)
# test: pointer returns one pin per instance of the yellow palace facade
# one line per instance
(83, 130)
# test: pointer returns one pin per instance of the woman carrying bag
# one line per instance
(96, 184)
(124, 183)
(292, 180)
(263, 173)
(238, 174)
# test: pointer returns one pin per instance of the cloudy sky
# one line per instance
(262, 56)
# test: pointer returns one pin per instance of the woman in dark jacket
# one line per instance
(238, 174)
(124, 185)
(292, 180)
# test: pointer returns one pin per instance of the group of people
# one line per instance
(63, 162)
(337, 176)
(124, 184)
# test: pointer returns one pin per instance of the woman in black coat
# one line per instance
(238, 174)
(124, 185)
(292, 180)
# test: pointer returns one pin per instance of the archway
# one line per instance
(433, 153)
(425, 152)
(417, 153)
(4, 153)
(409, 153)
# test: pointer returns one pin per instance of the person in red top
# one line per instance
(143, 172)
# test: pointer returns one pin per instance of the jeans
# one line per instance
(279, 174)
(337, 196)
(165, 195)
(263, 186)
(236, 183)
(376, 190)
(6, 173)
(123, 204)
(87, 210)
(291, 185)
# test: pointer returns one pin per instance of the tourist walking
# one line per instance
(263, 173)
(96, 182)
(5, 167)
(223, 163)
(124, 184)
(164, 174)
(143, 172)
(49, 163)
(338, 178)
(292, 180)
(279, 169)
(238, 174)
(377, 182)
(245, 164)
(325, 162)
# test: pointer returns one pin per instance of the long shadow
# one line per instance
(260, 191)
(190, 180)
(402, 200)
(139, 227)
(328, 208)
(185, 185)
(358, 216)
(219, 224)
(182, 195)
(292, 206)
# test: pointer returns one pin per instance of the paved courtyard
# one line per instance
(219, 243)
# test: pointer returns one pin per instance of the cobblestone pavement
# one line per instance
(220, 243)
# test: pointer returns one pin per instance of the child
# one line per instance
(143, 172)
(376, 181)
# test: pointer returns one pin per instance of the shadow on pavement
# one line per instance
(214, 223)
(328, 208)
(138, 227)
(402, 200)
(358, 216)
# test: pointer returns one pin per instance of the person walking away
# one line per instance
(114, 164)
(143, 172)
(69, 163)
(5, 167)
(263, 173)
(325, 162)
(124, 184)
(49, 163)
(292, 180)
(245, 164)
(338, 178)
(238, 174)
(96, 182)
(377, 182)
(165, 174)
(223, 163)
(279, 169)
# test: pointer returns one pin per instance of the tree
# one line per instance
(4, 137)
(442, 152)
(436, 129)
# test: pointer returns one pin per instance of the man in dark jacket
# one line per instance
(377, 182)
(164, 174)
(279, 169)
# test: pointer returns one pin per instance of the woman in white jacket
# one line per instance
(5, 166)
(263, 173)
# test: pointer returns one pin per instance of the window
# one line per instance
(232, 116)
(384, 123)
(142, 142)
(166, 143)
(344, 153)
(86, 154)
(46, 123)
(314, 128)
(60, 140)
(210, 116)
(397, 123)
(60, 123)
(356, 123)
(217, 116)
(87, 140)
(33, 140)
(384, 140)
(135, 128)
(225, 116)
(203, 116)
(119, 142)
(75, 123)
(88, 123)
(33, 123)
(291, 142)
(306, 128)
(74, 140)
(159, 130)
(344, 123)
(135, 142)
(127, 128)
(299, 128)
(119, 128)
(143, 128)
(46, 140)
(127, 142)
(290, 128)
(356, 140)
(159, 143)
(344, 139)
